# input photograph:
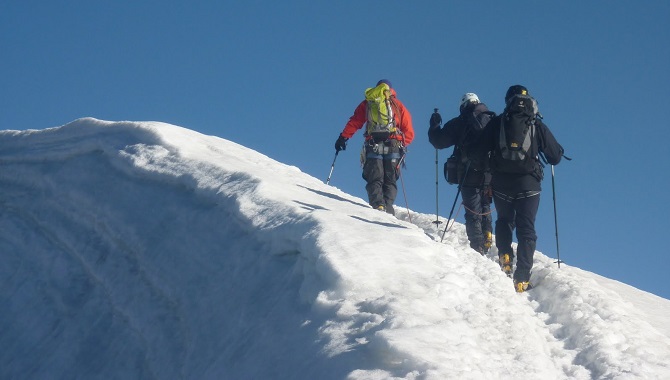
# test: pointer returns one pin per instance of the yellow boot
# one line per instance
(522, 286)
(505, 261)
(488, 240)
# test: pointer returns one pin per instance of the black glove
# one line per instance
(341, 143)
(435, 120)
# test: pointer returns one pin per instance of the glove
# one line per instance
(341, 143)
(435, 120)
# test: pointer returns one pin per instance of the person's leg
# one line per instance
(391, 173)
(373, 174)
(473, 219)
(504, 225)
(487, 219)
(526, 210)
(504, 228)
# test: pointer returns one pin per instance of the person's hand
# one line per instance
(435, 120)
(341, 143)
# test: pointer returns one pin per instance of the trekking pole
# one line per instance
(553, 188)
(451, 213)
(450, 223)
(409, 215)
(437, 192)
(402, 183)
(467, 168)
(332, 167)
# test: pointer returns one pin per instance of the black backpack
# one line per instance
(465, 152)
(516, 150)
(475, 123)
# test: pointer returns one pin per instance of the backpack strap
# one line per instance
(394, 110)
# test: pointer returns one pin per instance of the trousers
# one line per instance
(477, 215)
(517, 211)
(380, 171)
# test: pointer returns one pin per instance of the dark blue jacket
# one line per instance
(457, 133)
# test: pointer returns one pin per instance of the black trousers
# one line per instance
(518, 212)
(381, 173)
(477, 215)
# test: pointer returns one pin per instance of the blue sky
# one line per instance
(283, 78)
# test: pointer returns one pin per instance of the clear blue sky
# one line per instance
(283, 78)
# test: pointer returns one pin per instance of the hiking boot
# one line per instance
(390, 210)
(488, 240)
(381, 208)
(522, 286)
(505, 261)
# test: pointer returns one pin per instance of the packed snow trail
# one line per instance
(577, 308)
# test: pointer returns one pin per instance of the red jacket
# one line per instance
(403, 121)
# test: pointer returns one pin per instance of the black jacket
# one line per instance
(454, 133)
(514, 183)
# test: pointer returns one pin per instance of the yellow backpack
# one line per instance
(380, 113)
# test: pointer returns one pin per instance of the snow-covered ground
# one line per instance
(145, 250)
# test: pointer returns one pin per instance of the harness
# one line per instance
(512, 198)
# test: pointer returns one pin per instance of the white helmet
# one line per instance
(469, 98)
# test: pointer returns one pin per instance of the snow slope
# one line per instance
(135, 250)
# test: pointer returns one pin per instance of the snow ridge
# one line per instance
(146, 250)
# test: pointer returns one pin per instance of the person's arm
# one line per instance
(443, 137)
(552, 150)
(356, 121)
(405, 123)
